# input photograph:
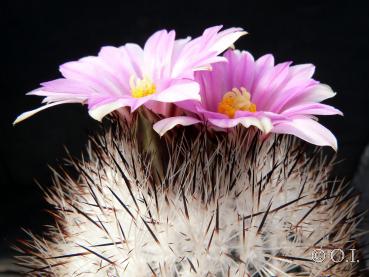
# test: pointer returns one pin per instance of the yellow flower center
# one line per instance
(141, 87)
(236, 100)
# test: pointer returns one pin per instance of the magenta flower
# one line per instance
(129, 76)
(274, 98)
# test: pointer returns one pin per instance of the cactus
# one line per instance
(196, 203)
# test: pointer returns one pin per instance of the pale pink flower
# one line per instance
(274, 98)
(129, 76)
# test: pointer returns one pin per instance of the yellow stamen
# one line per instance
(141, 87)
(236, 100)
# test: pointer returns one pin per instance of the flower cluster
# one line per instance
(221, 91)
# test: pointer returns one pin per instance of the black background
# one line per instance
(37, 36)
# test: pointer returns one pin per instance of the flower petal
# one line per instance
(262, 65)
(158, 53)
(312, 108)
(299, 74)
(226, 38)
(204, 50)
(136, 55)
(64, 86)
(213, 85)
(259, 114)
(164, 125)
(242, 66)
(263, 123)
(319, 93)
(28, 114)
(313, 93)
(89, 71)
(209, 114)
(51, 96)
(269, 85)
(308, 130)
(98, 111)
(121, 64)
(180, 90)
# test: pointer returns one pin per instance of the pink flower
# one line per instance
(274, 98)
(129, 76)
